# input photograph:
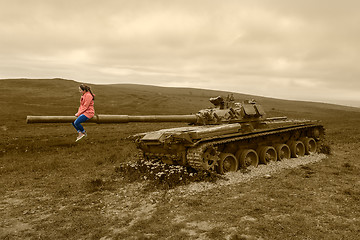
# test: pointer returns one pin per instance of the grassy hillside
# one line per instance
(22, 97)
(54, 188)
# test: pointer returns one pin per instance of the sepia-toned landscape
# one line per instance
(55, 188)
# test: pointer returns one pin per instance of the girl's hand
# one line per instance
(76, 115)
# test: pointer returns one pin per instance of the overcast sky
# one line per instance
(300, 49)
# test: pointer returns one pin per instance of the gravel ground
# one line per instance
(261, 171)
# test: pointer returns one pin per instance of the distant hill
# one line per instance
(22, 97)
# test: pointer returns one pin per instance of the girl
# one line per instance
(86, 110)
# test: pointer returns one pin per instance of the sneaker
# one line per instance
(85, 134)
(81, 135)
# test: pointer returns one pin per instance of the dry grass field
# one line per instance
(54, 188)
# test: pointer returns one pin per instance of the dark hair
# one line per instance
(87, 89)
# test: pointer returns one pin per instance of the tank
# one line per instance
(225, 137)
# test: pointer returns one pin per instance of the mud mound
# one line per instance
(163, 176)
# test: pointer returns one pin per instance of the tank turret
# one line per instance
(228, 136)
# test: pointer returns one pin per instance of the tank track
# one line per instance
(140, 155)
(194, 154)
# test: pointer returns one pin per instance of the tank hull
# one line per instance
(224, 147)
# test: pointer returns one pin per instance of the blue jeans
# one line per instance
(77, 123)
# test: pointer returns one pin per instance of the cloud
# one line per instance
(301, 50)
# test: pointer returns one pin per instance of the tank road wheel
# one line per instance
(267, 154)
(310, 145)
(247, 157)
(297, 149)
(210, 157)
(227, 163)
(283, 151)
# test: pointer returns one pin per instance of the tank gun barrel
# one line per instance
(114, 119)
(224, 112)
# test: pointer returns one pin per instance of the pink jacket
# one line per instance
(86, 105)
